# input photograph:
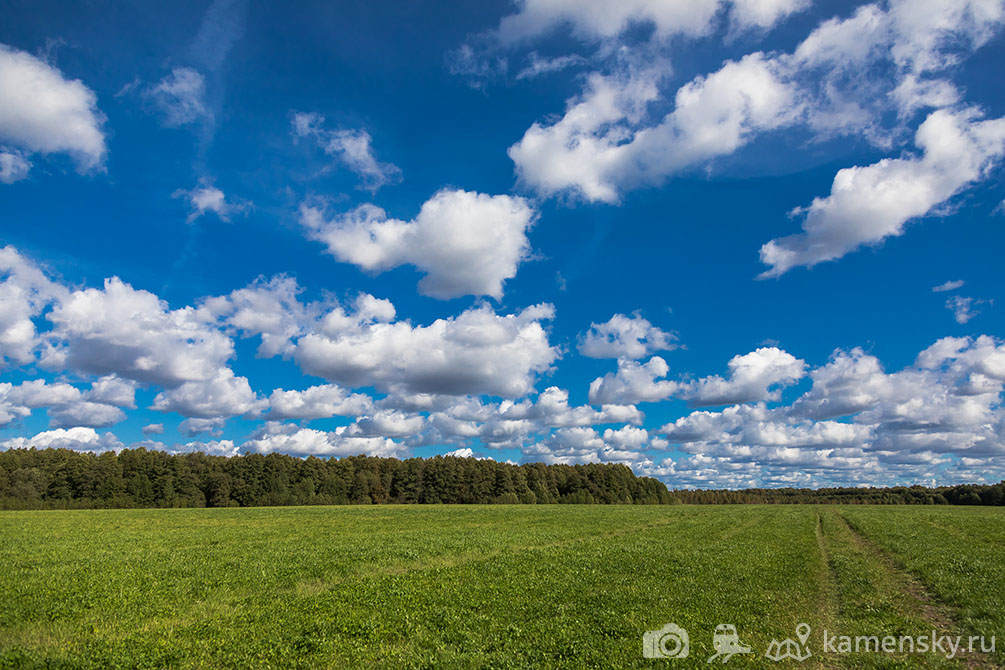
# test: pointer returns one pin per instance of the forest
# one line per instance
(62, 478)
(67, 479)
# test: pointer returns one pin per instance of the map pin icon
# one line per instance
(803, 632)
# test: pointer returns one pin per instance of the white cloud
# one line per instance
(25, 292)
(223, 395)
(133, 334)
(625, 337)
(538, 65)
(290, 439)
(38, 393)
(764, 13)
(601, 145)
(353, 148)
(597, 19)
(869, 204)
(963, 308)
(888, 427)
(387, 423)
(848, 77)
(752, 377)
(41, 111)
(79, 439)
(269, 308)
(585, 151)
(65, 404)
(476, 352)
(208, 198)
(213, 448)
(853, 68)
(112, 390)
(634, 382)
(85, 413)
(465, 243)
(463, 452)
(153, 429)
(585, 445)
(13, 167)
(202, 426)
(756, 376)
(948, 286)
(180, 97)
(317, 402)
(551, 409)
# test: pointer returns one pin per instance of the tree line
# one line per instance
(63, 479)
(963, 494)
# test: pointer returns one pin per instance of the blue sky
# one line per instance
(729, 243)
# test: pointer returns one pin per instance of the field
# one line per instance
(495, 586)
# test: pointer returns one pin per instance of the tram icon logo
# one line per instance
(726, 643)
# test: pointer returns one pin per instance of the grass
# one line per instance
(486, 586)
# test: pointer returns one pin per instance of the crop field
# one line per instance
(493, 586)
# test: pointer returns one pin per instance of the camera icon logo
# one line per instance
(671, 641)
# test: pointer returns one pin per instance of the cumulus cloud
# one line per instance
(870, 204)
(463, 452)
(764, 13)
(153, 429)
(859, 423)
(112, 390)
(135, 335)
(465, 243)
(387, 423)
(13, 166)
(222, 395)
(180, 97)
(270, 308)
(291, 439)
(78, 439)
(625, 337)
(65, 404)
(212, 447)
(634, 382)
(551, 409)
(203, 426)
(866, 75)
(25, 292)
(317, 402)
(586, 445)
(756, 376)
(585, 151)
(43, 112)
(208, 198)
(352, 148)
(602, 145)
(85, 413)
(475, 352)
(596, 19)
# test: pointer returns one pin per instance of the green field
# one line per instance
(489, 586)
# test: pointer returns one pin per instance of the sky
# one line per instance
(729, 243)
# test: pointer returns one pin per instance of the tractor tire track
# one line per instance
(940, 616)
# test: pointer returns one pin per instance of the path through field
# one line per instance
(492, 586)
